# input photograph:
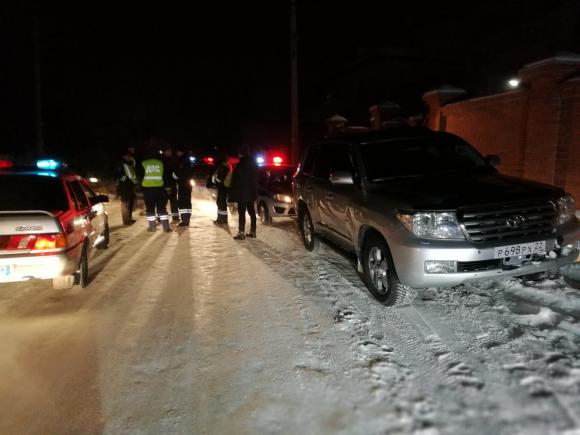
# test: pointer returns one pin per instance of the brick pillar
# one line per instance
(383, 113)
(436, 100)
(547, 138)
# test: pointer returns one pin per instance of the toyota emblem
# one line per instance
(515, 221)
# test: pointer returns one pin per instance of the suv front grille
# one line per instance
(509, 221)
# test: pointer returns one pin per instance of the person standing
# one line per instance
(244, 191)
(222, 179)
(169, 162)
(126, 185)
(156, 186)
(182, 173)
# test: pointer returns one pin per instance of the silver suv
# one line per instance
(425, 209)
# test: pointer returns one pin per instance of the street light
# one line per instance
(513, 83)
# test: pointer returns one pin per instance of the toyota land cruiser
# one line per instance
(425, 209)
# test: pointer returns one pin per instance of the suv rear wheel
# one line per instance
(379, 272)
(307, 229)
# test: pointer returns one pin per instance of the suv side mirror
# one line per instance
(99, 198)
(493, 160)
(341, 177)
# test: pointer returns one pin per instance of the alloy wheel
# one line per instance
(307, 228)
(378, 269)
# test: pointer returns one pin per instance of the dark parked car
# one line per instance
(425, 209)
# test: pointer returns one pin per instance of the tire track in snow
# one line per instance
(498, 342)
(430, 349)
(407, 346)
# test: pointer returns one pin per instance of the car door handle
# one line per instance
(329, 196)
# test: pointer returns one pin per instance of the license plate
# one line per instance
(520, 249)
(5, 271)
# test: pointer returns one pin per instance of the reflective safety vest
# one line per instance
(129, 169)
(228, 180)
(153, 173)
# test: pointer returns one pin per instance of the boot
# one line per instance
(165, 224)
(184, 220)
(240, 236)
(251, 235)
(152, 225)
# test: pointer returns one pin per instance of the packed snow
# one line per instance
(194, 332)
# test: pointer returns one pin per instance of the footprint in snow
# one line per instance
(536, 386)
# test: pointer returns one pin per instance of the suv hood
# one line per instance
(451, 191)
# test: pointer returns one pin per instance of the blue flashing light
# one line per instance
(47, 174)
(49, 164)
(192, 159)
(260, 160)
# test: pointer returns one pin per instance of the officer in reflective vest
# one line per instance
(222, 179)
(156, 188)
(126, 185)
(182, 173)
(169, 162)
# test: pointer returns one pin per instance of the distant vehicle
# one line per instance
(425, 209)
(50, 222)
(275, 192)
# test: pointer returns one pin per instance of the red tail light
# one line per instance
(277, 160)
(5, 164)
(33, 242)
(50, 241)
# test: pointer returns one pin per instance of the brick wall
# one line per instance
(535, 129)
(494, 125)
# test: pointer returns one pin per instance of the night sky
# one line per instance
(218, 74)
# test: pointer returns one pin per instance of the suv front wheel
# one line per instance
(379, 272)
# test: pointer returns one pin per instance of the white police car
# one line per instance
(50, 222)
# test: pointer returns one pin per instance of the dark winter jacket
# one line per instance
(182, 170)
(244, 181)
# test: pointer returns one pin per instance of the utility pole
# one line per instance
(39, 140)
(294, 142)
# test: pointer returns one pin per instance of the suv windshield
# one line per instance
(32, 192)
(416, 157)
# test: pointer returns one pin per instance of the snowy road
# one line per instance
(193, 332)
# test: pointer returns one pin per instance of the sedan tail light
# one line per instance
(36, 243)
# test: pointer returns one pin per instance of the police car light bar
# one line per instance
(48, 164)
(260, 160)
(6, 164)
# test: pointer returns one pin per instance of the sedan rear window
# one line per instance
(32, 192)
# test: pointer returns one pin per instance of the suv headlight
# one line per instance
(566, 209)
(282, 198)
(432, 225)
